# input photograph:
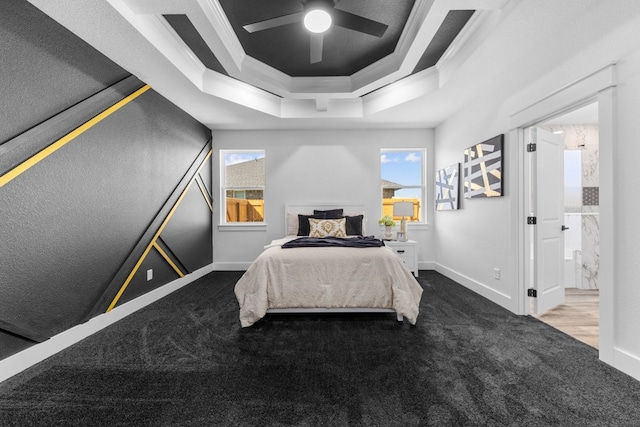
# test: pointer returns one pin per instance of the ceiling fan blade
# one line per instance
(317, 41)
(358, 23)
(274, 22)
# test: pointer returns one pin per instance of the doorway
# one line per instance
(577, 311)
(600, 86)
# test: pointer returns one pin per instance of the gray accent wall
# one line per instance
(44, 69)
(74, 220)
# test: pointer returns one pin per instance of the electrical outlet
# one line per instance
(149, 274)
(496, 273)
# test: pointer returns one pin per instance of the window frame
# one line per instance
(237, 226)
(422, 213)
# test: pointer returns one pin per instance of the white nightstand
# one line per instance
(407, 251)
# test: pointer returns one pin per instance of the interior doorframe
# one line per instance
(599, 86)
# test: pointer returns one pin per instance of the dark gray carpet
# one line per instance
(185, 361)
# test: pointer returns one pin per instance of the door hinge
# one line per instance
(531, 147)
(532, 293)
(531, 220)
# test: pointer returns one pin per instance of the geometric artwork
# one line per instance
(483, 169)
(447, 188)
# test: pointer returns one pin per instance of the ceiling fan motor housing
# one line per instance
(325, 5)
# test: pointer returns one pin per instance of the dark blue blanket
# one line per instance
(351, 242)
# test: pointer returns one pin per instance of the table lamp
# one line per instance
(403, 209)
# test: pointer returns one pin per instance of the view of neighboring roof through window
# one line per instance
(402, 174)
(243, 186)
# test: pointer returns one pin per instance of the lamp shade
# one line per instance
(403, 209)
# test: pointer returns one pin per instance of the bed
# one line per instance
(326, 279)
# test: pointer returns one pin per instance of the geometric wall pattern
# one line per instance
(76, 201)
(447, 188)
(159, 248)
(483, 169)
(96, 169)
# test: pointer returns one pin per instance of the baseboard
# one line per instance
(626, 362)
(480, 288)
(426, 265)
(18, 362)
(231, 266)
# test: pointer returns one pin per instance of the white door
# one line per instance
(549, 210)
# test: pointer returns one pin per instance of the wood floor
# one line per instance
(579, 316)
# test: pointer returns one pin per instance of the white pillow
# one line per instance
(327, 227)
(292, 224)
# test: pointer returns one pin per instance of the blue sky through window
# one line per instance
(241, 156)
(404, 168)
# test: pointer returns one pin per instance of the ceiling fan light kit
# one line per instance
(318, 17)
(317, 21)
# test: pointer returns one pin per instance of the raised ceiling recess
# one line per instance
(373, 55)
(361, 34)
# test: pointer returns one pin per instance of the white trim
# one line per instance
(473, 34)
(491, 294)
(18, 362)
(566, 97)
(516, 136)
(243, 226)
(427, 265)
(597, 86)
(607, 152)
(626, 362)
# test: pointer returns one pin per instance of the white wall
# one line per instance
(540, 48)
(330, 166)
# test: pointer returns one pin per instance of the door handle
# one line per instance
(564, 228)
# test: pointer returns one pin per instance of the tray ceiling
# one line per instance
(270, 71)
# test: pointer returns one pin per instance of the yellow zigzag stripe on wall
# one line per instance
(37, 158)
(166, 258)
(155, 237)
(205, 195)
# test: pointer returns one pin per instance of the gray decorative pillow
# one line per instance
(328, 214)
(354, 225)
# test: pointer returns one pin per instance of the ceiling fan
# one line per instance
(318, 16)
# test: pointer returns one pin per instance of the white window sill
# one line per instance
(246, 226)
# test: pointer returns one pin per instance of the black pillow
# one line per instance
(328, 214)
(303, 224)
(354, 225)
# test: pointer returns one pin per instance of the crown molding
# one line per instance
(228, 49)
(240, 93)
(324, 108)
(160, 34)
(405, 90)
(481, 24)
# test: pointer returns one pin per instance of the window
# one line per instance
(242, 185)
(402, 173)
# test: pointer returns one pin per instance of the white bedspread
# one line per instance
(327, 277)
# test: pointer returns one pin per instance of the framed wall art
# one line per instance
(483, 169)
(447, 188)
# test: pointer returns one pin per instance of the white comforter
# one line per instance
(331, 277)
